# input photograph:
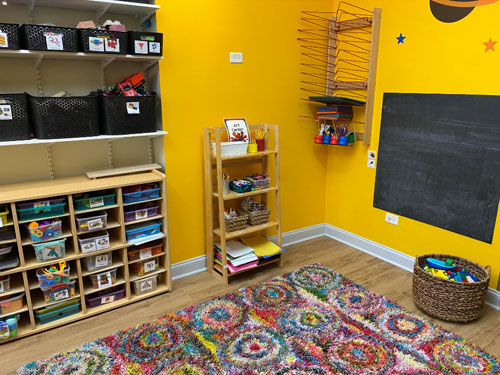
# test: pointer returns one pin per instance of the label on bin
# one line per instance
(101, 260)
(41, 204)
(54, 41)
(4, 40)
(141, 47)
(96, 44)
(95, 224)
(154, 47)
(96, 202)
(107, 299)
(5, 112)
(146, 285)
(102, 243)
(133, 108)
(149, 266)
(51, 252)
(141, 214)
(144, 254)
(104, 280)
(112, 45)
(60, 294)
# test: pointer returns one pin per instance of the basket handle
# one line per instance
(488, 268)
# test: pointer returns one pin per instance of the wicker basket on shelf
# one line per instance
(450, 300)
(257, 217)
(236, 223)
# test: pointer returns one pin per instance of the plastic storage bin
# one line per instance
(94, 200)
(142, 213)
(104, 279)
(94, 243)
(59, 311)
(7, 233)
(103, 41)
(48, 251)
(135, 194)
(141, 230)
(10, 37)
(5, 251)
(45, 230)
(95, 262)
(11, 303)
(64, 117)
(35, 210)
(145, 251)
(11, 322)
(144, 267)
(59, 292)
(148, 284)
(145, 43)
(4, 211)
(48, 38)
(230, 148)
(4, 284)
(108, 296)
(127, 114)
(15, 123)
(53, 278)
(92, 221)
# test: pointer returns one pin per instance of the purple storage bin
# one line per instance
(47, 202)
(143, 213)
(101, 298)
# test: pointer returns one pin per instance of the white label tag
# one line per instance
(1, 287)
(41, 204)
(146, 285)
(60, 294)
(101, 260)
(112, 45)
(54, 41)
(154, 47)
(89, 246)
(104, 280)
(97, 202)
(51, 252)
(4, 40)
(141, 214)
(144, 254)
(96, 44)
(141, 47)
(95, 224)
(5, 112)
(107, 299)
(133, 108)
(149, 266)
(102, 243)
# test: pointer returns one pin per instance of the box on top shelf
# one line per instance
(14, 116)
(103, 41)
(140, 193)
(44, 230)
(145, 43)
(9, 36)
(34, 210)
(94, 199)
(49, 251)
(48, 38)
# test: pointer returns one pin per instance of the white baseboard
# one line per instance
(394, 257)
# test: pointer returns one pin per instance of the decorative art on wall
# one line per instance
(454, 10)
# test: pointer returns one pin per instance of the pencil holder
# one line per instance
(351, 138)
(327, 139)
(335, 140)
(261, 144)
(343, 141)
(318, 139)
(225, 187)
(252, 148)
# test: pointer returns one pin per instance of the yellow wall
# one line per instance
(200, 88)
(435, 58)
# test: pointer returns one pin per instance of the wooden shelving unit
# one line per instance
(23, 277)
(215, 199)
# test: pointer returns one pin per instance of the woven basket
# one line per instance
(258, 217)
(450, 300)
(236, 223)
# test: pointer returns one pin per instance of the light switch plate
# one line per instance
(236, 57)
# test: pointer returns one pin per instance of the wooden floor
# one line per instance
(370, 272)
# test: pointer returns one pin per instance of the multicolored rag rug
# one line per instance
(311, 322)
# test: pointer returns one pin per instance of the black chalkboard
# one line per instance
(439, 161)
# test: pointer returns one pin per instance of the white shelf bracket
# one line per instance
(38, 62)
(31, 8)
(101, 12)
(151, 150)
(104, 64)
(48, 150)
(146, 17)
(110, 154)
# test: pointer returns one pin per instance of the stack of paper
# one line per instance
(239, 256)
(262, 247)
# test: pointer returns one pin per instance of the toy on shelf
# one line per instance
(53, 275)
(45, 230)
(449, 271)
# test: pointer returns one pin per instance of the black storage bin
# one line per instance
(36, 37)
(12, 39)
(145, 43)
(65, 117)
(127, 114)
(14, 117)
(107, 41)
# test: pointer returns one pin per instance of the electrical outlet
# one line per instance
(236, 57)
(391, 219)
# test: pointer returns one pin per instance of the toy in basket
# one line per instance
(257, 213)
(45, 230)
(53, 275)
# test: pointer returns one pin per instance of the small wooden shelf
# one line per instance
(235, 195)
(115, 264)
(96, 209)
(134, 277)
(255, 155)
(144, 220)
(146, 259)
(248, 230)
(52, 55)
(141, 202)
(12, 240)
(45, 218)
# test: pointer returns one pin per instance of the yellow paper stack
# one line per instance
(262, 247)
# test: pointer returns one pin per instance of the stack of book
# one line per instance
(239, 256)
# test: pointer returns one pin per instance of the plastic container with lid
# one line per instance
(96, 242)
(140, 193)
(145, 285)
(4, 284)
(53, 278)
(92, 221)
(44, 230)
(59, 292)
(142, 230)
(144, 267)
(48, 251)
(104, 279)
(104, 297)
(145, 251)
(59, 311)
(94, 200)
(11, 303)
(95, 262)
(35, 210)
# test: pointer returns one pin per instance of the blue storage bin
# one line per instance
(140, 231)
(140, 196)
(59, 311)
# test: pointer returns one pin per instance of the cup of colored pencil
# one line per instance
(225, 183)
(260, 139)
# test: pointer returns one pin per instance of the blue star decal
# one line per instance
(401, 38)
